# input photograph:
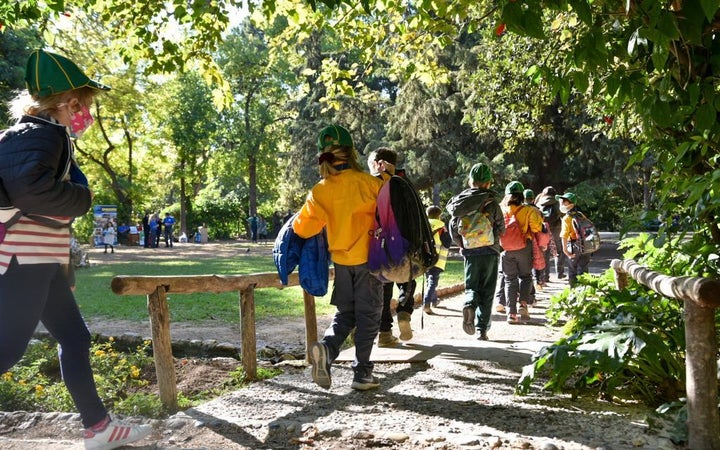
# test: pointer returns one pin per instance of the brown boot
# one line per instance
(386, 339)
(403, 320)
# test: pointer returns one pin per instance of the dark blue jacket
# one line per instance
(311, 255)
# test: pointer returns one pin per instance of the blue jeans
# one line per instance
(433, 278)
(34, 293)
(357, 295)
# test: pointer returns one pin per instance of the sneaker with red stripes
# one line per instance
(112, 433)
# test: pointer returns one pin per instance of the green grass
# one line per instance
(96, 299)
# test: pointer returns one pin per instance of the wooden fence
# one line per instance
(157, 287)
(700, 296)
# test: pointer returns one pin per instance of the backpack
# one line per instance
(588, 237)
(402, 246)
(514, 237)
(544, 236)
(475, 229)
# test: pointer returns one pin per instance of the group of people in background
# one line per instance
(156, 229)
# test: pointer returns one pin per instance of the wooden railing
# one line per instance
(157, 287)
(700, 296)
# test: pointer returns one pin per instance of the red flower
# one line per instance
(500, 30)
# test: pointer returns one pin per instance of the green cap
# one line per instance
(569, 196)
(480, 173)
(514, 187)
(528, 193)
(334, 135)
(48, 74)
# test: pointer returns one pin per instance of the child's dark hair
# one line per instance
(385, 154)
(433, 212)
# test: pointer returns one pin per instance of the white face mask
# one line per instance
(564, 209)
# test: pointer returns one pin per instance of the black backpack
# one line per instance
(402, 245)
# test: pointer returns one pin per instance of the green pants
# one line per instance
(481, 272)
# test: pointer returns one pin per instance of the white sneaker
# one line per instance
(114, 435)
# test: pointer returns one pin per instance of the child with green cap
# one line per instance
(481, 262)
(516, 260)
(577, 262)
(343, 203)
(44, 190)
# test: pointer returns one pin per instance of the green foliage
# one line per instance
(626, 343)
(220, 210)
(35, 383)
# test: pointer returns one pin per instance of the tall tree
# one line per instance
(192, 120)
(250, 134)
(15, 47)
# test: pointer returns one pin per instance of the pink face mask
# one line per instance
(81, 121)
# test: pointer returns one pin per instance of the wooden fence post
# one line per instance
(247, 326)
(700, 297)
(311, 333)
(701, 377)
(162, 348)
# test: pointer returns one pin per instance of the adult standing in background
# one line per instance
(44, 191)
(168, 223)
(146, 230)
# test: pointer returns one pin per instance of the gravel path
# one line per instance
(460, 396)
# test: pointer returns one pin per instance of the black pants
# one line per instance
(405, 302)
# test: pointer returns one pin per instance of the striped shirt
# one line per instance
(33, 242)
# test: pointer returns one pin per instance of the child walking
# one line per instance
(442, 243)
(344, 203)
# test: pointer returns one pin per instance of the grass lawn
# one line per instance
(96, 299)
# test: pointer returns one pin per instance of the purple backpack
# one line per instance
(402, 245)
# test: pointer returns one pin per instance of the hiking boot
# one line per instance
(320, 365)
(386, 339)
(469, 320)
(403, 320)
(524, 313)
(112, 433)
(500, 308)
(365, 383)
(483, 336)
(428, 310)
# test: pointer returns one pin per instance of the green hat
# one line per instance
(514, 187)
(47, 74)
(528, 193)
(569, 196)
(334, 135)
(480, 173)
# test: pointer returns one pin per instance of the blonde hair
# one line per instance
(33, 105)
(342, 155)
